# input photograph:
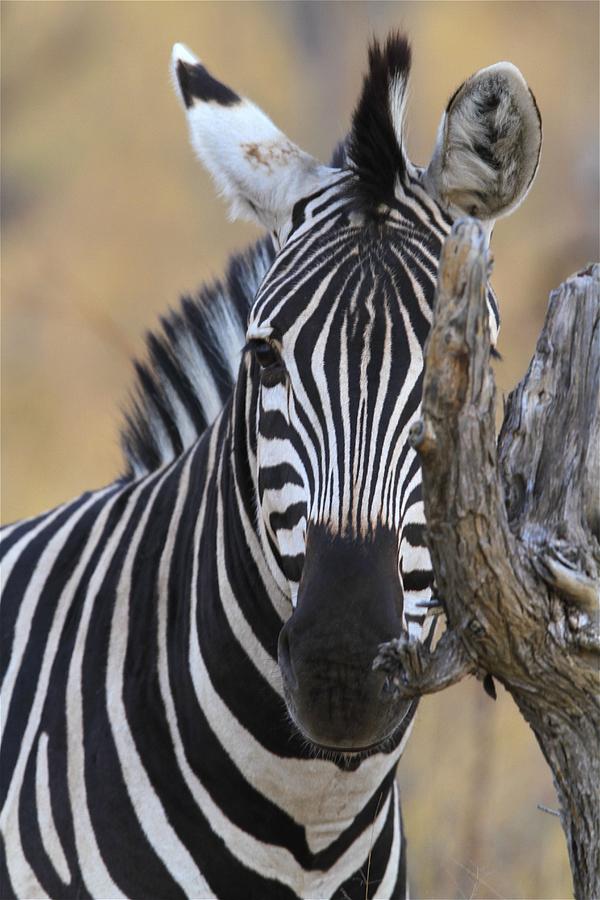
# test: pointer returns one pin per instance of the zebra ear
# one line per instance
(488, 144)
(254, 165)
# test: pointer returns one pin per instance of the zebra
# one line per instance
(188, 701)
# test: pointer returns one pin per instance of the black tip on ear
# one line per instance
(182, 78)
(198, 84)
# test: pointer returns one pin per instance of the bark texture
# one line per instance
(514, 528)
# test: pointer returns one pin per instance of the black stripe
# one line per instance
(289, 518)
(414, 533)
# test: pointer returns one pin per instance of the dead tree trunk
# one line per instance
(514, 528)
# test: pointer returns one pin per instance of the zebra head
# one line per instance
(335, 356)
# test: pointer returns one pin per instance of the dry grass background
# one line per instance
(107, 218)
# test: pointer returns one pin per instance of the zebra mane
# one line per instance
(375, 145)
(192, 365)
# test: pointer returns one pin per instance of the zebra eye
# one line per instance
(265, 354)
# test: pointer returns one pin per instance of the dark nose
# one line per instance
(332, 693)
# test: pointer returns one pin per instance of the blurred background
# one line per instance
(107, 218)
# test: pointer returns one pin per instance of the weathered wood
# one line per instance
(514, 532)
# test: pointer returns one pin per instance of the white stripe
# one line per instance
(397, 102)
(415, 514)
(200, 887)
(390, 876)
(276, 452)
(200, 375)
(185, 427)
(279, 499)
(379, 425)
(291, 540)
(50, 839)
(345, 398)
(273, 398)
(414, 558)
(240, 627)
(226, 331)
(95, 875)
(363, 407)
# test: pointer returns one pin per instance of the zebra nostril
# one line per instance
(285, 659)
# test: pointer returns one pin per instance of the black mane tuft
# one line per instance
(374, 145)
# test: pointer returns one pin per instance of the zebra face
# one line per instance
(335, 340)
(335, 363)
(336, 337)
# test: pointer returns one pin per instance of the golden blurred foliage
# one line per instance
(107, 218)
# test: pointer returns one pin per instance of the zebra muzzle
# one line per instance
(350, 600)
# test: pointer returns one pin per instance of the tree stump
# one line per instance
(514, 528)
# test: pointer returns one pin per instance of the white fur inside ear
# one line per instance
(254, 165)
(488, 144)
